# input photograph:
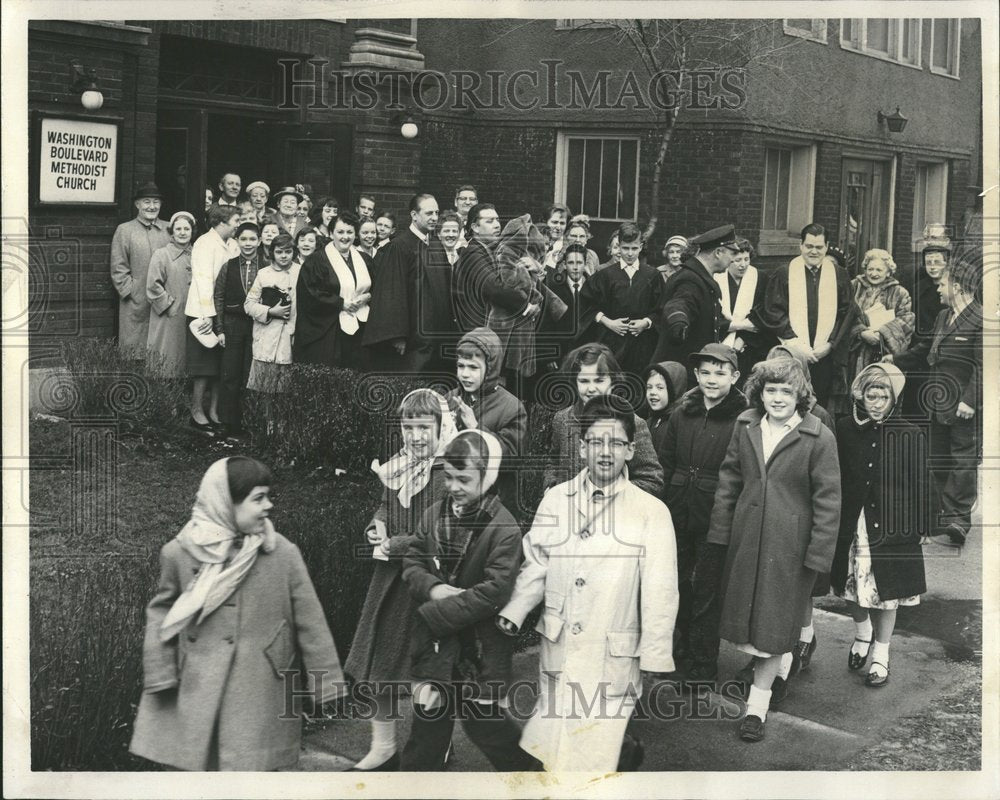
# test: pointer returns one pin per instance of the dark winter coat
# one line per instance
(883, 473)
(676, 378)
(610, 291)
(487, 572)
(476, 287)
(380, 650)
(564, 460)
(690, 317)
(694, 448)
(780, 522)
(394, 313)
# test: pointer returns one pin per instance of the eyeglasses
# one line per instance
(615, 444)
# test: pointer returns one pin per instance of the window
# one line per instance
(812, 29)
(930, 196)
(573, 24)
(786, 196)
(889, 39)
(597, 175)
(944, 46)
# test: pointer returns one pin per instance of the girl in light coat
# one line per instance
(271, 304)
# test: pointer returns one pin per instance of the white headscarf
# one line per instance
(493, 458)
(208, 538)
(408, 475)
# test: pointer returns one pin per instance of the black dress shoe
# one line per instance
(876, 681)
(856, 661)
(751, 728)
(779, 690)
(202, 427)
(389, 765)
(632, 754)
(802, 654)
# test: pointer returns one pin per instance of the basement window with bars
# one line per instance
(598, 175)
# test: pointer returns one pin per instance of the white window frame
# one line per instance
(956, 35)
(578, 24)
(562, 165)
(817, 34)
(859, 43)
(942, 199)
(801, 196)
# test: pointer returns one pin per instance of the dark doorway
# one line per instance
(864, 208)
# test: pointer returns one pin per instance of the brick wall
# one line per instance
(310, 37)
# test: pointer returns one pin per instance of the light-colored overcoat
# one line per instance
(610, 601)
(229, 670)
(167, 285)
(132, 247)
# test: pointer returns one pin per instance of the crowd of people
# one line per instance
(800, 431)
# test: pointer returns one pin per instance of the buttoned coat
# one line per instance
(883, 474)
(229, 669)
(167, 284)
(132, 248)
(692, 308)
(609, 594)
(780, 523)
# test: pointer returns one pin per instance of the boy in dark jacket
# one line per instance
(697, 435)
(460, 569)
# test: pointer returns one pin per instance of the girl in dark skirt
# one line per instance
(413, 481)
(879, 565)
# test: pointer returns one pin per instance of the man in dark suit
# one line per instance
(476, 281)
(954, 391)
(575, 327)
(392, 333)
(690, 317)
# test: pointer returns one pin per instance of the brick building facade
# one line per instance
(195, 99)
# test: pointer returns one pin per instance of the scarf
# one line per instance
(349, 288)
(493, 457)
(798, 312)
(739, 308)
(207, 538)
(407, 475)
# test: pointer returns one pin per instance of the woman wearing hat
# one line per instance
(935, 252)
(288, 219)
(167, 284)
(258, 193)
(878, 565)
(673, 254)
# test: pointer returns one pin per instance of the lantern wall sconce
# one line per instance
(85, 82)
(895, 121)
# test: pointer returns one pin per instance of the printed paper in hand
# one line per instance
(879, 315)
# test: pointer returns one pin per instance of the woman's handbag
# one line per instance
(209, 339)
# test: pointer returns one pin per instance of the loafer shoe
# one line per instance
(751, 728)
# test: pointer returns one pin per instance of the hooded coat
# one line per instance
(676, 377)
(883, 475)
(694, 446)
(496, 409)
(780, 522)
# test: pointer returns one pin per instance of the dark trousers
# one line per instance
(236, 358)
(488, 726)
(955, 453)
(821, 376)
(699, 568)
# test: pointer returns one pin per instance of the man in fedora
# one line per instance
(132, 247)
(288, 219)
(690, 317)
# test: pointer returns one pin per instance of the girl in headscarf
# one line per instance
(413, 481)
(235, 625)
(879, 565)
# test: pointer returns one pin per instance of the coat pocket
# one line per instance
(550, 623)
(279, 651)
(621, 663)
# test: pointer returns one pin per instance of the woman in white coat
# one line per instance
(602, 556)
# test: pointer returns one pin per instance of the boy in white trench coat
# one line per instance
(601, 553)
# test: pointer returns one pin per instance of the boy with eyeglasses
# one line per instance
(601, 558)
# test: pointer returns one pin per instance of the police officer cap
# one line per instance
(717, 237)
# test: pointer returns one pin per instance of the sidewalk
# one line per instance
(829, 716)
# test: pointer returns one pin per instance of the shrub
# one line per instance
(105, 383)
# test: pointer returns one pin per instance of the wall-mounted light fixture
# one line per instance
(85, 82)
(895, 122)
(408, 127)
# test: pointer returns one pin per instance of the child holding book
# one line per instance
(270, 304)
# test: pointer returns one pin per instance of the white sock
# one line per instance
(758, 702)
(807, 633)
(862, 636)
(383, 745)
(880, 653)
(786, 666)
